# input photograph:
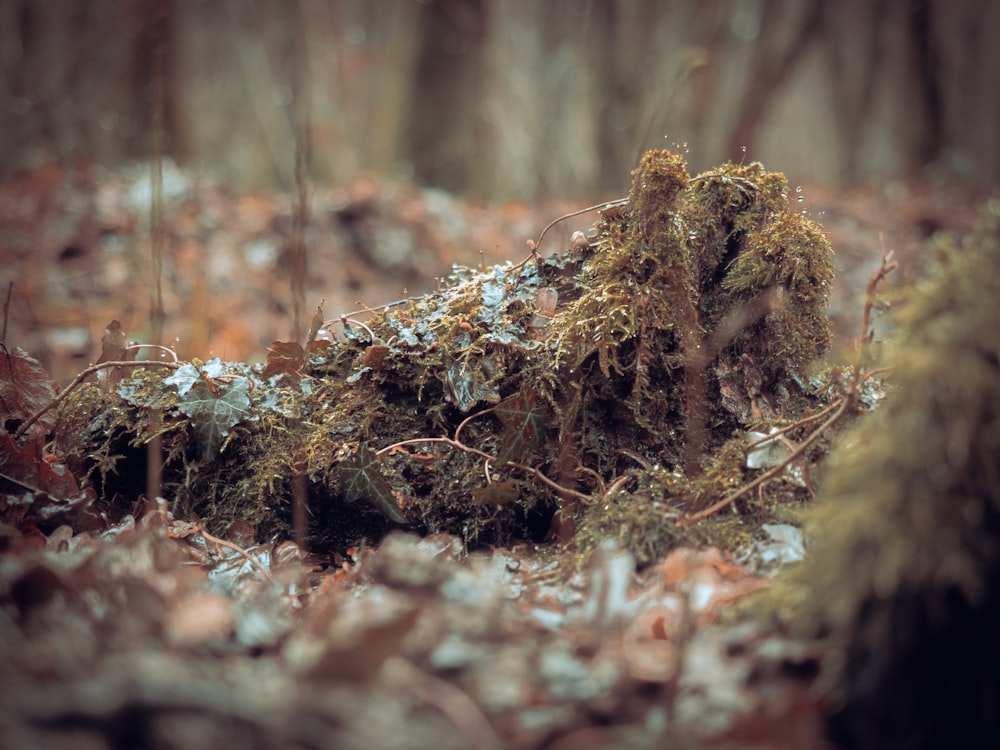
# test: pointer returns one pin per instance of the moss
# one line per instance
(644, 518)
(904, 577)
(792, 255)
(691, 314)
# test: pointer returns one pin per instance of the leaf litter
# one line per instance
(149, 629)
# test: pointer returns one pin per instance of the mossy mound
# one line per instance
(904, 577)
(610, 385)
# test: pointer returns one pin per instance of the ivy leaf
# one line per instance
(214, 416)
(464, 389)
(524, 422)
(187, 375)
(140, 392)
(283, 401)
(361, 479)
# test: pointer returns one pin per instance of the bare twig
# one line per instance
(235, 548)
(469, 419)
(619, 483)
(166, 349)
(346, 320)
(349, 317)
(788, 428)
(842, 408)
(635, 457)
(22, 483)
(581, 469)
(447, 440)
(888, 265)
(533, 471)
(537, 473)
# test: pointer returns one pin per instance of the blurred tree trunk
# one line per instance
(444, 126)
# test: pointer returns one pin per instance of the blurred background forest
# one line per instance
(504, 98)
(519, 103)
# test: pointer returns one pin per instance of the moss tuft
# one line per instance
(904, 577)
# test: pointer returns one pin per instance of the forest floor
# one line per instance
(151, 632)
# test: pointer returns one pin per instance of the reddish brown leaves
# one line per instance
(289, 358)
(114, 348)
(284, 358)
(25, 388)
(112, 343)
(35, 488)
(27, 468)
(375, 356)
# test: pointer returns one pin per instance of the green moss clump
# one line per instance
(703, 312)
(644, 515)
(904, 577)
(691, 314)
(636, 310)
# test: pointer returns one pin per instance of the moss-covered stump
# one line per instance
(904, 577)
(610, 386)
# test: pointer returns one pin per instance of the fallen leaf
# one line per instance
(25, 389)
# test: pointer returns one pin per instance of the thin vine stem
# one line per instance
(533, 245)
(788, 428)
(842, 409)
(837, 410)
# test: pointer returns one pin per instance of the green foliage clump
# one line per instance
(904, 576)
(692, 313)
